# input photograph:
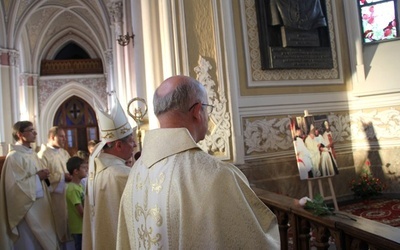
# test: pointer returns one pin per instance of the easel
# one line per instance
(321, 190)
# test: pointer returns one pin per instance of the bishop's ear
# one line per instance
(196, 111)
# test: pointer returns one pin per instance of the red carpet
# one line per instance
(386, 211)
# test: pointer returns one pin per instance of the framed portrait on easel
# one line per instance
(314, 146)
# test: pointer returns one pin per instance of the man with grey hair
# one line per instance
(179, 197)
(107, 178)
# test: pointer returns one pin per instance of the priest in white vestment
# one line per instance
(54, 157)
(313, 147)
(107, 179)
(25, 212)
(180, 197)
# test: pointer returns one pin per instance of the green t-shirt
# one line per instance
(74, 196)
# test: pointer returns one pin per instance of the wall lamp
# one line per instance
(124, 40)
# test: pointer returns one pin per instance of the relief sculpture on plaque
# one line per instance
(293, 34)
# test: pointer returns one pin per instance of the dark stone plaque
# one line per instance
(299, 38)
(300, 58)
(293, 34)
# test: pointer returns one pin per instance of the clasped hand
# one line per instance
(43, 174)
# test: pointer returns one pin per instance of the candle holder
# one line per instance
(124, 40)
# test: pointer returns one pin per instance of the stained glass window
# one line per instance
(379, 20)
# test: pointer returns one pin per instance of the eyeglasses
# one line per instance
(29, 130)
(209, 107)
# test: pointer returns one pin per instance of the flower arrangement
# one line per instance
(367, 185)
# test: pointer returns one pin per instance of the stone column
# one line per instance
(13, 57)
(117, 25)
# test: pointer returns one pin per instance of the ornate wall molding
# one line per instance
(14, 58)
(108, 59)
(217, 139)
(358, 129)
(279, 77)
(115, 10)
(82, 88)
(48, 86)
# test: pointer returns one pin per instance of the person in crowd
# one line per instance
(91, 145)
(328, 138)
(303, 156)
(329, 144)
(77, 168)
(85, 156)
(107, 178)
(54, 157)
(327, 164)
(180, 197)
(129, 162)
(313, 147)
(25, 210)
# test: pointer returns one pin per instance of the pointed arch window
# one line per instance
(78, 119)
(71, 59)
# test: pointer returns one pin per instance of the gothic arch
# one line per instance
(49, 51)
(3, 34)
(71, 37)
(50, 108)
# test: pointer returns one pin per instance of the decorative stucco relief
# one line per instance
(90, 21)
(48, 87)
(375, 125)
(269, 134)
(6, 9)
(23, 5)
(274, 75)
(36, 23)
(219, 132)
(66, 20)
(14, 58)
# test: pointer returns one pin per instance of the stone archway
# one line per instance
(57, 98)
(78, 119)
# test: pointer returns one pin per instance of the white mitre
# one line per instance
(113, 126)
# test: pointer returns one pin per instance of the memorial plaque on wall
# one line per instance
(293, 34)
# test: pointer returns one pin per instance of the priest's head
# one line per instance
(182, 102)
(56, 137)
(24, 133)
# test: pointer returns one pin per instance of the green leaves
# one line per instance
(318, 206)
(367, 185)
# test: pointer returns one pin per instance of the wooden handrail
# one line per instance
(347, 230)
(2, 159)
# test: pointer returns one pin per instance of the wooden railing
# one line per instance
(2, 159)
(66, 67)
(348, 231)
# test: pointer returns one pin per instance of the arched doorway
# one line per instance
(78, 119)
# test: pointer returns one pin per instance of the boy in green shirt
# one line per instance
(78, 168)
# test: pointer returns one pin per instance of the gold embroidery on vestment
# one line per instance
(144, 213)
(157, 185)
(139, 182)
